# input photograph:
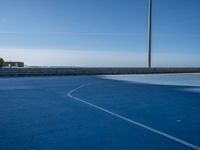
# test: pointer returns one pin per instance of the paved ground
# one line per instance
(91, 113)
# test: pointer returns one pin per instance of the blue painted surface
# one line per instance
(35, 113)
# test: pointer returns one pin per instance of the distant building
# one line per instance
(13, 64)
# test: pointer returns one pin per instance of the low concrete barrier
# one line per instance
(90, 71)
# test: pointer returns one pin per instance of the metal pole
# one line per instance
(149, 33)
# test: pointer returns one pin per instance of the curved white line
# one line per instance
(175, 139)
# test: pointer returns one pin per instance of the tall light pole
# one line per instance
(149, 33)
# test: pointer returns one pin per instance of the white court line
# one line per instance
(175, 139)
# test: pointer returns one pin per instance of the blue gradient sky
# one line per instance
(99, 32)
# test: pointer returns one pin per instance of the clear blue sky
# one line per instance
(99, 32)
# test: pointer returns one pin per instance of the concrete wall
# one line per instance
(90, 71)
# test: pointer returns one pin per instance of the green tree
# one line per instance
(1, 62)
